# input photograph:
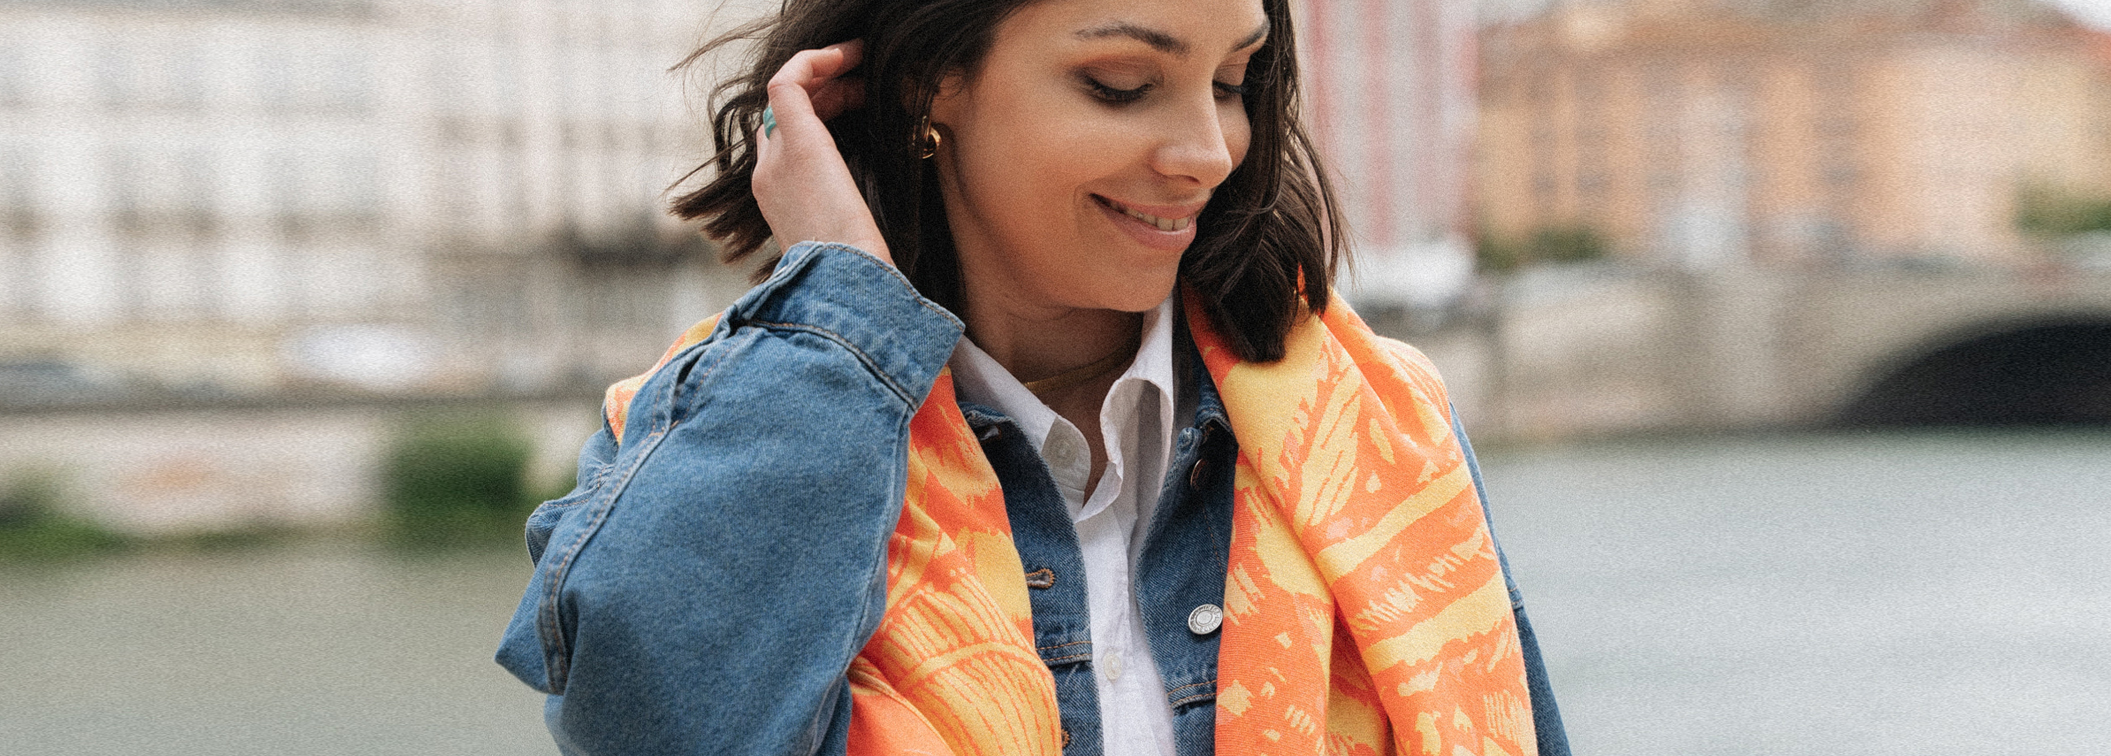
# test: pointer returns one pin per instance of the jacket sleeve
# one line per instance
(706, 588)
(1546, 716)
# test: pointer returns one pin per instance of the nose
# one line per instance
(1199, 145)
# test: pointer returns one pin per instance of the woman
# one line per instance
(1044, 436)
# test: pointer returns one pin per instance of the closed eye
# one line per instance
(1113, 95)
(1225, 91)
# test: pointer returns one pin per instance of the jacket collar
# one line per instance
(1210, 416)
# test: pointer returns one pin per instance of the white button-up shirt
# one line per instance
(1111, 514)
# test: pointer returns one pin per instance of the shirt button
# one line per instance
(1113, 663)
(1205, 619)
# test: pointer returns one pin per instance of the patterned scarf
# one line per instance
(1365, 611)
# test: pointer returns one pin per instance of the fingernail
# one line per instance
(769, 122)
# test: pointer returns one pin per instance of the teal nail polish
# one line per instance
(769, 122)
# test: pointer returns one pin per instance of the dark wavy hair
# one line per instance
(1266, 246)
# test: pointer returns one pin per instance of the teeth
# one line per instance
(1163, 224)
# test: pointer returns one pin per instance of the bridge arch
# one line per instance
(2043, 371)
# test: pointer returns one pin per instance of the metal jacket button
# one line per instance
(1205, 619)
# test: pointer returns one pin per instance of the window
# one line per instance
(113, 76)
(163, 191)
(334, 78)
(163, 209)
(180, 77)
(18, 230)
(14, 75)
(344, 81)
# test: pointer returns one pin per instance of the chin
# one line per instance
(1136, 294)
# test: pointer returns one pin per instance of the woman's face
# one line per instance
(1077, 157)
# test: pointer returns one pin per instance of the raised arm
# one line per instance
(709, 583)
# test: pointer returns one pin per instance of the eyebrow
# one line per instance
(1158, 40)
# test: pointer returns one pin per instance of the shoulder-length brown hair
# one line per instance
(1266, 246)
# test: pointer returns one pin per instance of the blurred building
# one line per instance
(1712, 132)
(401, 195)
(1389, 96)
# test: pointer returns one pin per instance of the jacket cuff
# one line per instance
(866, 304)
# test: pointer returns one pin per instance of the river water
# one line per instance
(1853, 594)
(1865, 594)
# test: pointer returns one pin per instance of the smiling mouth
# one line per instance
(1163, 224)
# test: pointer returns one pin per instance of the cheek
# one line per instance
(1035, 170)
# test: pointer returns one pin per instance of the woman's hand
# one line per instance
(800, 181)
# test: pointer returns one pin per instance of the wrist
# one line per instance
(872, 247)
(877, 248)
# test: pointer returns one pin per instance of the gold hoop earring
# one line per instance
(927, 139)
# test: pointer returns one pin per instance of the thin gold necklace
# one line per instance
(1087, 373)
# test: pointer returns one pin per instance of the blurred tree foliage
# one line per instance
(2048, 211)
(1548, 244)
(34, 524)
(458, 481)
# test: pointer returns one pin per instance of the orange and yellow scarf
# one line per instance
(1365, 611)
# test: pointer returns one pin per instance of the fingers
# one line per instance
(801, 184)
(838, 96)
(810, 85)
(847, 55)
(791, 106)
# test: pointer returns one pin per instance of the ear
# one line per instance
(950, 102)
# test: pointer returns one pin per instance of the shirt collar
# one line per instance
(979, 379)
(1154, 356)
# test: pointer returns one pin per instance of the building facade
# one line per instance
(247, 196)
(239, 196)
(1703, 133)
(1389, 97)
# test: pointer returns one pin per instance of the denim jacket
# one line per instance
(707, 584)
